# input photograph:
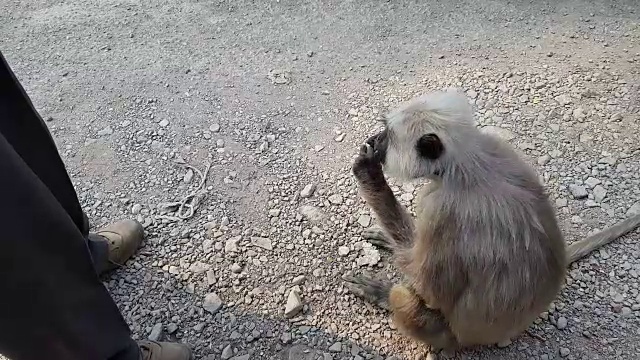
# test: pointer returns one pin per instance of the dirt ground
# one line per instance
(274, 97)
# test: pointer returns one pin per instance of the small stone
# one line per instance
(156, 332)
(231, 245)
(106, 131)
(307, 191)
(561, 202)
(578, 191)
(299, 280)
(616, 117)
(564, 352)
(312, 213)
(543, 160)
(364, 220)
(336, 347)
(370, 255)
(599, 193)
(136, 208)
(241, 357)
(212, 303)
(293, 306)
(592, 182)
(318, 148)
(199, 267)
(164, 123)
(236, 268)
(262, 243)
(340, 137)
(227, 352)
(500, 132)
(211, 277)
(472, 94)
(564, 99)
(188, 176)
(562, 323)
(343, 250)
(523, 98)
(335, 199)
(214, 127)
(171, 328)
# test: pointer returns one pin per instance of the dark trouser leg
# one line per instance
(53, 304)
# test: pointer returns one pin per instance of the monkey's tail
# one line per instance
(579, 249)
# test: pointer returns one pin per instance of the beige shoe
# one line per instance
(124, 238)
(153, 350)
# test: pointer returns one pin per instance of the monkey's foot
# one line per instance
(369, 289)
(377, 237)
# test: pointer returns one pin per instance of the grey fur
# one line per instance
(486, 251)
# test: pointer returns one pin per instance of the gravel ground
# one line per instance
(274, 98)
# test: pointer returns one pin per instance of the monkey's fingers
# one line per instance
(377, 237)
(369, 289)
(366, 151)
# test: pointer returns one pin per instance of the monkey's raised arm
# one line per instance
(393, 217)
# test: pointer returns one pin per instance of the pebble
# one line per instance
(136, 208)
(236, 268)
(343, 250)
(591, 182)
(188, 176)
(106, 131)
(156, 332)
(562, 323)
(212, 303)
(261, 242)
(578, 191)
(294, 304)
(312, 213)
(336, 199)
(364, 220)
(633, 210)
(340, 137)
(164, 123)
(564, 352)
(215, 127)
(172, 328)
(211, 277)
(599, 193)
(307, 191)
(370, 255)
(500, 132)
(336, 347)
(227, 352)
(299, 280)
(231, 245)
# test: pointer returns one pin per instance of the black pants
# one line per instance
(52, 303)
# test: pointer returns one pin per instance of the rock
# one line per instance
(136, 208)
(616, 117)
(343, 250)
(370, 255)
(211, 277)
(599, 193)
(294, 304)
(199, 267)
(171, 328)
(299, 352)
(156, 332)
(634, 209)
(299, 280)
(106, 131)
(336, 199)
(472, 94)
(591, 182)
(336, 347)
(236, 268)
(564, 352)
(307, 191)
(164, 123)
(500, 132)
(220, 143)
(231, 245)
(188, 176)
(227, 352)
(364, 220)
(212, 303)
(215, 127)
(564, 99)
(578, 191)
(261, 242)
(340, 137)
(312, 213)
(543, 160)
(562, 323)
(523, 98)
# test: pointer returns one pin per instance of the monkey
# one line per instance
(485, 255)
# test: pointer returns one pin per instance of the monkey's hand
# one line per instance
(366, 168)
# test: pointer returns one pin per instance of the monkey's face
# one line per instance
(405, 153)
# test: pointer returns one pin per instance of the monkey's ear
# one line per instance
(429, 146)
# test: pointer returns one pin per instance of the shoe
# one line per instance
(124, 238)
(153, 350)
